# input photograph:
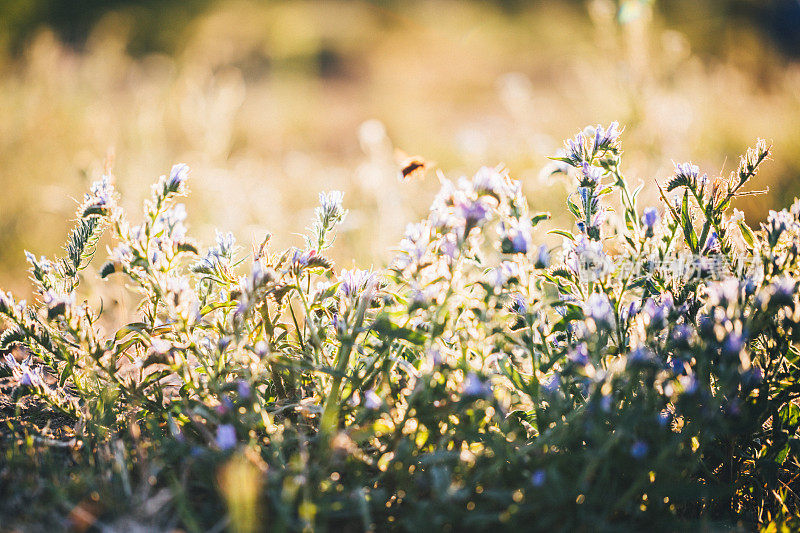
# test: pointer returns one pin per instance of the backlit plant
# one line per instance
(643, 373)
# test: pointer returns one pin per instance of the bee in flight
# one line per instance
(411, 167)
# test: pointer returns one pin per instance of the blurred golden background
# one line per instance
(272, 102)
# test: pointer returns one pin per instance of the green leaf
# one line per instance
(389, 330)
(563, 233)
(573, 208)
(747, 234)
(539, 217)
(686, 223)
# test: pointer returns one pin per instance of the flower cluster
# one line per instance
(485, 379)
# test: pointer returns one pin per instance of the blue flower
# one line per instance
(590, 175)
(356, 281)
(372, 401)
(606, 139)
(178, 176)
(650, 219)
(599, 309)
(475, 386)
(639, 449)
(580, 355)
(542, 257)
(226, 437)
(538, 478)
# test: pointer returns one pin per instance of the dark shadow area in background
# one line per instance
(156, 24)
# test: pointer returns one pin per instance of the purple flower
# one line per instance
(100, 198)
(605, 139)
(640, 356)
(681, 335)
(782, 291)
(473, 211)
(538, 478)
(518, 304)
(475, 386)
(599, 309)
(542, 257)
(244, 389)
(576, 149)
(354, 282)
(178, 176)
(552, 385)
(590, 176)
(330, 205)
(639, 449)
(580, 355)
(226, 437)
(687, 171)
(650, 219)
(712, 244)
(733, 344)
(488, 180)
(371, 400)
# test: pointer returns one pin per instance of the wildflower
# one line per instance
(330, 205)
(589, 176)
(782, 291)
(639, 449)
(372, 401)
(181, 300)
(605, 139)
(733, 344)
(100, 198)
(686, 172)
(586, 258)
(171, 223)
(121, 255)
(354, 282)
(57, 303)
(777, 223)
(225, 406)
(488, 181)
(243, 388)
(226, 437)
(542, 257)
(580, 355)
(225, 244)
(473, 212)
(650, 219)
(599, 308)
(500, 276)
(552, 385)
(414, 246)
(475, 386)
(640, 356)
(752, 378)
(518, 237)
(261, 349)
(538, 478)
(518, 303)
(655, 314)
(178, 176)
(713, 243)
(681, 335)
(724, 293)
(435, 356)
(576, 150)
